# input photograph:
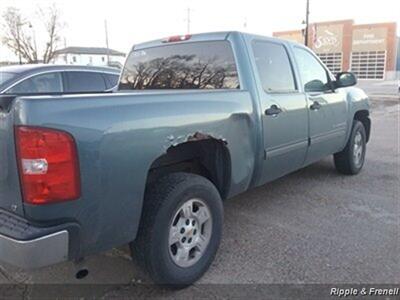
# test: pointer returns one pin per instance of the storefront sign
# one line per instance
(369, 39)
(327, 38)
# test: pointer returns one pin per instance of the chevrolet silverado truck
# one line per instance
(195, 120)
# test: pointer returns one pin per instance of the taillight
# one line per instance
(48, 165)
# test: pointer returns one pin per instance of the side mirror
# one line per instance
(345, 79)
(5, 102)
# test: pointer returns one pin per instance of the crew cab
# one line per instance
(195, 120)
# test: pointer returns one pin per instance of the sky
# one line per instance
(134, 21)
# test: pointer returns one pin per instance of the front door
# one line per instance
(284, 107)
(327, 107)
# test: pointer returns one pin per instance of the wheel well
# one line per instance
(209, 158)
(363, 117)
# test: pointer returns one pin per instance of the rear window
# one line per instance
(81, 82)
(199, 65)
(111, 80)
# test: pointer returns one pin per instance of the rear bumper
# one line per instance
(43, 251)
(29, 246)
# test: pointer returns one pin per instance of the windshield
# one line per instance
(198, 65)
(6, 76)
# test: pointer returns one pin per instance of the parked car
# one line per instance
(196, 120)
(56, 79)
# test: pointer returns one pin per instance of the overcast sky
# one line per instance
(134, 21)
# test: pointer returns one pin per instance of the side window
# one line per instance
(313, 74)
(111, 80)
(274, 67)
(39, 84)
(85, 82)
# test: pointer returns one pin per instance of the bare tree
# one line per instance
(18, 34)
(53, 27)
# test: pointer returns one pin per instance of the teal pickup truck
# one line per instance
(195, 120)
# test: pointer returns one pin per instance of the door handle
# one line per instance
(273, 110)
(315, 105)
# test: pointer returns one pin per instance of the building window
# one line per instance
(368, 64)
(333, 61)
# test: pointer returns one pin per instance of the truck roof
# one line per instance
(208, 36)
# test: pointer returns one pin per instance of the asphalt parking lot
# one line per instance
(313, 226)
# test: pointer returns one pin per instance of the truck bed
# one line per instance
(118, 137)
(10, 194)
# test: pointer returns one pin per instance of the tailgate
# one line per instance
(10, 193)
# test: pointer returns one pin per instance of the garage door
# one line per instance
(333, 61)
(368, 65)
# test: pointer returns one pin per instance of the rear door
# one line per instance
(285, 115)
(10, 193)
(327, 107)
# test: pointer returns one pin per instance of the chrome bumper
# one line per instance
(35, 253)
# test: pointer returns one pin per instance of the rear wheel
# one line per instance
(351, 160)
(180, 230)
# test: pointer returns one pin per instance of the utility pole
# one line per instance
(34, 42)
(307, 23)
(19, 44)
(188, 21)
(19, 25)
(66, 55)
(108, 49)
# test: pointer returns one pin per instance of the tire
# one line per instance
(347, 161)
(162, 215)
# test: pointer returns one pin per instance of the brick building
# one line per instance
(368, 50)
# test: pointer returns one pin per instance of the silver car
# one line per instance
(56, 79)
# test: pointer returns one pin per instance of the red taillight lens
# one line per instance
(48, 165)
(177, 38)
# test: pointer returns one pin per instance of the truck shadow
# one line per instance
(116, 267)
